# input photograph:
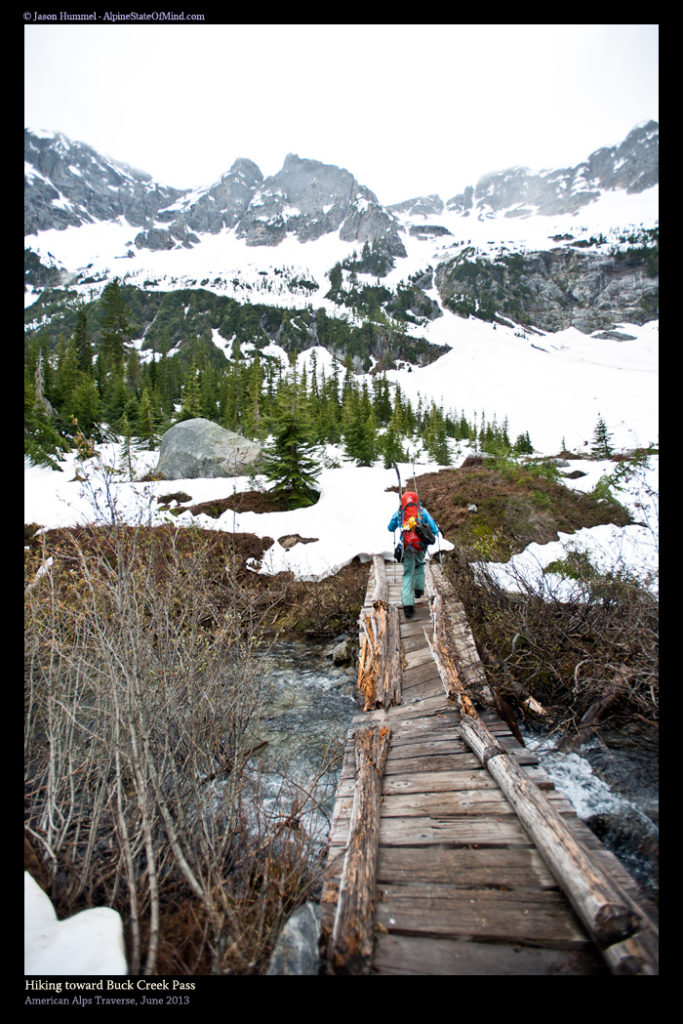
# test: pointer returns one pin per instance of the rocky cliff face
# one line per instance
(556, 289)
(206, 211)
(69, 183)
(305, 198)
(517, 191)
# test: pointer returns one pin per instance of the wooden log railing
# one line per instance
(609, 915)
(453, 648)
(602, 907)
(379, 666)
(350, 946)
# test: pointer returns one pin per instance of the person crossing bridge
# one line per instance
(418, 531)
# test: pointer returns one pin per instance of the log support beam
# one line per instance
(350, 947)
(380, 663)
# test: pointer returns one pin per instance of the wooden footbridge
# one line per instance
(450, 851)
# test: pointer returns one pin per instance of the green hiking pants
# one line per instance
(413, 575)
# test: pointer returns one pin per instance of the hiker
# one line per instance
(412, 519)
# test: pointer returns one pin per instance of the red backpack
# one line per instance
(410, 504)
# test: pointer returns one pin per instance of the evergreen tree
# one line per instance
(115, 399)
(208, 387)
(435, 436)
(192, 395)
(602, 448)
(85, 403)
(391, 447)
(67, 375)
(42, 442)
(289, 457)
(381, 399)
(82, 341)
(328, 412)
(523, 445)
(164, 375)
(254, 425)
(133, 371)
(126, 448)
(147, 422)
(359, 426)
(335, 276)
(116, 329)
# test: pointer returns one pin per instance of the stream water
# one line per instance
(615, 791)
(312, 702)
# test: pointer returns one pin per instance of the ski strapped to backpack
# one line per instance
(398, 550)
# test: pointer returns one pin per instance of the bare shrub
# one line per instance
(142, 699)
(590, 661)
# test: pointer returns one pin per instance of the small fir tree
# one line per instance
(147, 422)
(602, 448)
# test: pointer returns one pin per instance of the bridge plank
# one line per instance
(417, 955)
(493, 915)
(487, 866)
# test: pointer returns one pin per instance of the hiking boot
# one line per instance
(419, 593)
(408, 611)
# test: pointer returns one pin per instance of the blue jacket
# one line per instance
(397, 520)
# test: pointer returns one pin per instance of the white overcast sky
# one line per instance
(408, 109)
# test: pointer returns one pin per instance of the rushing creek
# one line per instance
(310, 707)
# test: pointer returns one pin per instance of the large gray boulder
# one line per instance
(200, 448)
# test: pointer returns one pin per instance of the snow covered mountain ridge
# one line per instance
(69, 183)
(276, 240)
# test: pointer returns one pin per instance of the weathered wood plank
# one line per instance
(463, 831)
(454, 641)
(486, 866)
(379, 667)
(527, 917)
(437, 783)
(443, 805)
(416, 955)
(420, 656)
(417, 692)
(420, 674)
(380, 580)
(412, 643)
(462, 761)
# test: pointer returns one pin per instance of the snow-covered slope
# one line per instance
(90, 254)
(244, 236)
(555, 386)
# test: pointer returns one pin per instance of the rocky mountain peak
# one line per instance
(247, 169)
(633, 165)
(518, 191)
(309, 199)
(70, 183)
